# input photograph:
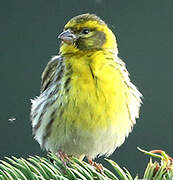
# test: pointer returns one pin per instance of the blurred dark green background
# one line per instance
(144, 30)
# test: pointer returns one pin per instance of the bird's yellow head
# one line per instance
(87, 32)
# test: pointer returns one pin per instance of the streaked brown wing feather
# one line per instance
(49, 72)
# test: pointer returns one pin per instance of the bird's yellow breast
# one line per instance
(99, 95)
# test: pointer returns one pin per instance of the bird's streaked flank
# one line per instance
(88, 105)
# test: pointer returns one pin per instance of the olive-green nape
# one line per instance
(86, 17)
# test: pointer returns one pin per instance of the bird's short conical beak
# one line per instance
(67, 37)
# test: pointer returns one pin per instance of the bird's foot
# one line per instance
(63, 157)
(98, 166)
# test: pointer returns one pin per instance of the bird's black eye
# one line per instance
(85, 31)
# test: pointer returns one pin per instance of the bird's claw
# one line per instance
(98, 166)
(63, 157)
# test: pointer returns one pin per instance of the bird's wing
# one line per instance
(49, 72)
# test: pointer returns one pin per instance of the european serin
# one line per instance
(87, 105)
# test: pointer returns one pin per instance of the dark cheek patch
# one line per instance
(94, 42)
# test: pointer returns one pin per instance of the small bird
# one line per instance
(87, 105)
